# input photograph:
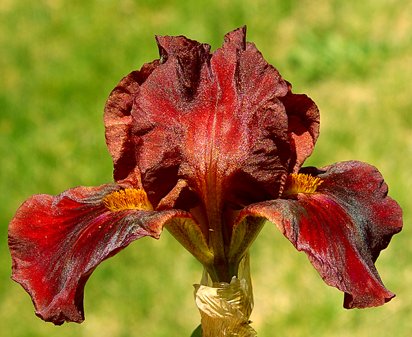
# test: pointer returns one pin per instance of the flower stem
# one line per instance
(224, 307)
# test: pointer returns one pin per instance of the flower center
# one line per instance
(127, 199)
(301, 183)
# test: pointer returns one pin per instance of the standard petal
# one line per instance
(342, 227)
(214, 120)
(118, 121)
(57, 241)
(303, 126)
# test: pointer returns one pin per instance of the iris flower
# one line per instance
(209, 146)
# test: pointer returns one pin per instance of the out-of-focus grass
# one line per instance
(58, 63)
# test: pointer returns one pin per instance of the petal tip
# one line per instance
(362, 302)
(237, 37)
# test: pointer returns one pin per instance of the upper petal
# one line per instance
(303, 126)
(214, 120)
(118, 121)
(342, 227)
(57, 241)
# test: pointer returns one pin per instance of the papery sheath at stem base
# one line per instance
(225, 308)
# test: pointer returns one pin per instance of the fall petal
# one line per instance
(342, 227)
(57, 241)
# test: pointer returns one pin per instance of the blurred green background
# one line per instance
(60, 59)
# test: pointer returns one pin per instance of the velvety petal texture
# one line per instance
(119, 123)
(342, 227)
(57, 241)
(214, 120)
(303, 126)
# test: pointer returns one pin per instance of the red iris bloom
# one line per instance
(209, 146)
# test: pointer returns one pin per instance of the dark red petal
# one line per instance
(213, 120)
(118, 121)
(303, 119)
(57, 241)
(342, 228)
